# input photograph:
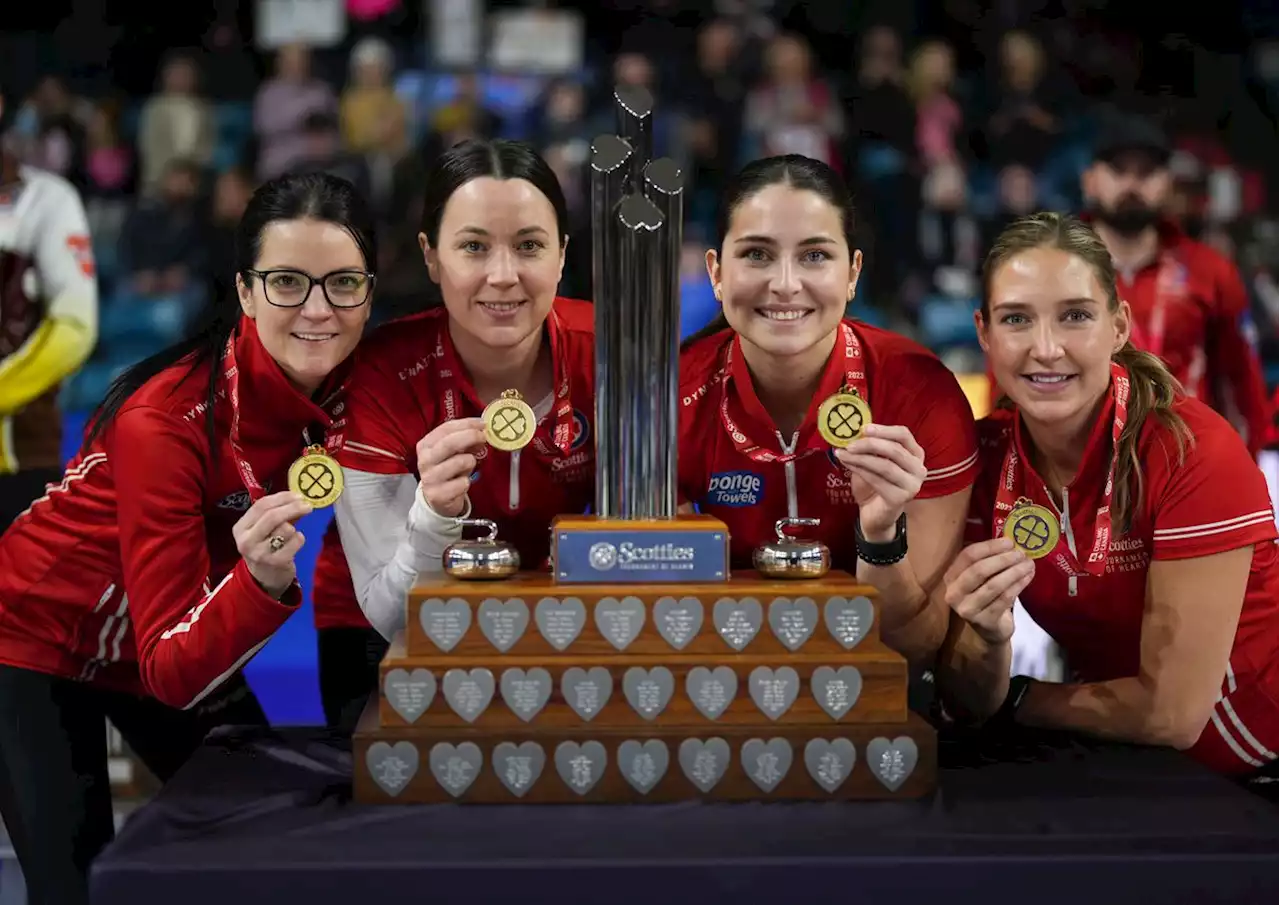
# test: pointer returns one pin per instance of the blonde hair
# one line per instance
(921, 83)
(1153, 390)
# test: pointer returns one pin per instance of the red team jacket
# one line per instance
(905, 385)
(399, 394)
(126, 573)
(1215, 501)
(1191, 310)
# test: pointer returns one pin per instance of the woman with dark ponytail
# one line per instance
(137, 587)
(1127, 517)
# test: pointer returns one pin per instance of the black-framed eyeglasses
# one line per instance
(286, 288)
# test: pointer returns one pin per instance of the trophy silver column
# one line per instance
(637, 231)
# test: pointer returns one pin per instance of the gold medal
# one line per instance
(509, 422)
(316, 477)
(842, 418)
(1034, 529)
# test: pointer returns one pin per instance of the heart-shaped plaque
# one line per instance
(503, 621)
(736, 621)
(526, 692)
(580, 766)
(620, 621)
(848, 621)
(829, 762)
(677, 621)
(560, 621)
(774, 690)
(518, 767)
(468, 693)
(392, 766)
(892, 761)
(445, 622)
(643, 765)
(836, 690)
(766, 763)
(586, 691)
(409, 693)
(711, 690)
(648, 691)
(455, 768)
(703, 762)
(793, 621)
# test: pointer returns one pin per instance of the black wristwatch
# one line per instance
(885, 554)
(1007, 714)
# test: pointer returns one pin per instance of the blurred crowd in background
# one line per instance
(948, 117)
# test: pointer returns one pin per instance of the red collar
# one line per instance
(757, 421)
(271, 406)
(1095, 462)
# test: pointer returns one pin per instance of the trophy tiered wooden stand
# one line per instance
(532, 689)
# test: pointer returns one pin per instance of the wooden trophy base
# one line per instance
(590, 764)
(531, 615)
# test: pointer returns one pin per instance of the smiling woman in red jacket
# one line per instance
(137, 587)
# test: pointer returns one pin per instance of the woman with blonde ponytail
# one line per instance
(1127, 516)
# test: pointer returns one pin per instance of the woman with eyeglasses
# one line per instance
(136, 588)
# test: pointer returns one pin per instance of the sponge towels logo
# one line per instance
(603, 556)
(735, 488)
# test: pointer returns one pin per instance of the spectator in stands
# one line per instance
(58, 139)
(281, 109)
(717, 96)
(1189, 304)
(110, 168)
(177, 124)
(48, 321)
(1021, 130)
(794, 111)
(231, 193)
(370, 106)
(323, 153)
(465, 115)
(162, 246)
(939, 119)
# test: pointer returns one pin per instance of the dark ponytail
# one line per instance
(294, 196)
(794, 170)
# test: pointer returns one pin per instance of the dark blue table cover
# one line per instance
(262, 816)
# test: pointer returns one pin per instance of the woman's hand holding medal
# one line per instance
(446, 458)
(268, 541)
(983, 583)
(886, 471)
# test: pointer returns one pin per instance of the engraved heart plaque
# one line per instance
(677, 621)
(455, 768)
(737, 621)
(560, 621)
(766, 763)
(409, 693)
(648, 691)
(620, 621)
(392, 766)
(703, 762)
(848, 621)
(829, 762)
(836, 690)
(892, 762)
(468, 693)
(711, 690)
(525, 693)
(793, 621)
(773, 690)
(445, 622)
(503, 622)
(643, 765)
(586, 691)
(580, 766)
(518, 767)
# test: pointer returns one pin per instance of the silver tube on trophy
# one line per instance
(634, 106)
(641, 278)
(664, 186)
(610, 156)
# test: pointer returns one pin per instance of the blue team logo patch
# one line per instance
(581, 430)
(735, 488)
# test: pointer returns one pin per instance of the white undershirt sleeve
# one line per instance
(390, 536)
